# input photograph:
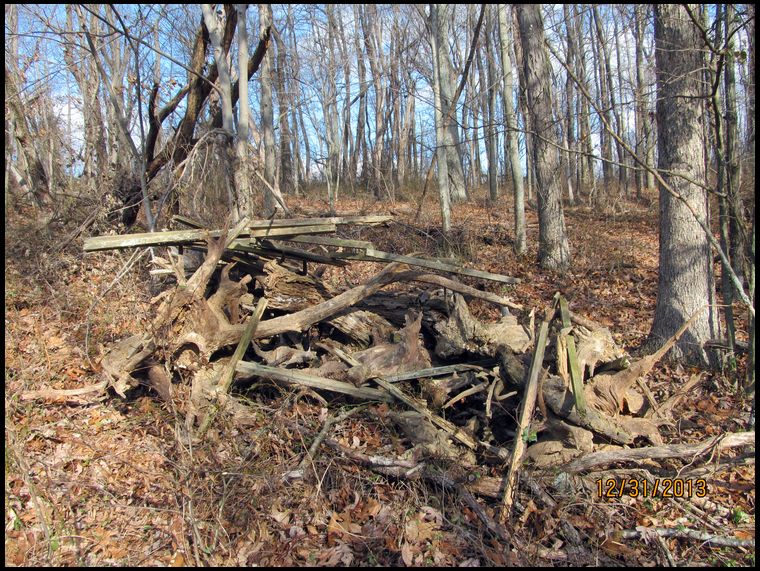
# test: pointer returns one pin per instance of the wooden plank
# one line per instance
(174, 237)
(278, 252)
(576, 375)
(438, 371)
(331, 241)
(372, 255)
(294, 376)
(526, 410)
(291, 230)
(371, 220)
(96, 243)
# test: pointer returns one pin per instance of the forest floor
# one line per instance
(108, 483)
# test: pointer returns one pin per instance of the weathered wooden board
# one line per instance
(371, 220)
(175, 237)
(294, 376)
(330, 241)
(372, 255)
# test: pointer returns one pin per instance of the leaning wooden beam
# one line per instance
(323, 228)
(465, 290)
(379, 256)
(294, 376)
(223, 386)
(576, 375)
(280, 251)
(371, 220)
(96, 243)
(526, 411)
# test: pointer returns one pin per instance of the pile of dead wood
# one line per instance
(461, 382)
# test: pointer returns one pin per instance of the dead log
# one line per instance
(431, 441)
(622, 430)
(291, 292)
(688, 451)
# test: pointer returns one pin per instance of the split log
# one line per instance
(293, 292)
(622, 430)
(362, 327)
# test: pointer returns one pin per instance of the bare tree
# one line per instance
(273, 198)
(553, 248)
(446, 86)
(600, 66)
(685, 282)
(493, 163)
(241, 176)
(510, 121)
(288, 181)
(443, 171)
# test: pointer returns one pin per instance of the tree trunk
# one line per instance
(617, 111)
(585, 116)
(571, 160)
(272, 197)
(640, 117)
(244, 200)
(511, 133)
(446, 86)
(493, 164)
(220, 57)
(601, 63)
(553, 248)
(287, 181)
(737, 229)
(443, 174)
(685, 282)
(360, 149)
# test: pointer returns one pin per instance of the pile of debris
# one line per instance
(462, 382)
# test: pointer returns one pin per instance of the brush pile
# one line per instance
(252, 313)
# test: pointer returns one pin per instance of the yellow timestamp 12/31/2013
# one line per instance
(644, 488)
